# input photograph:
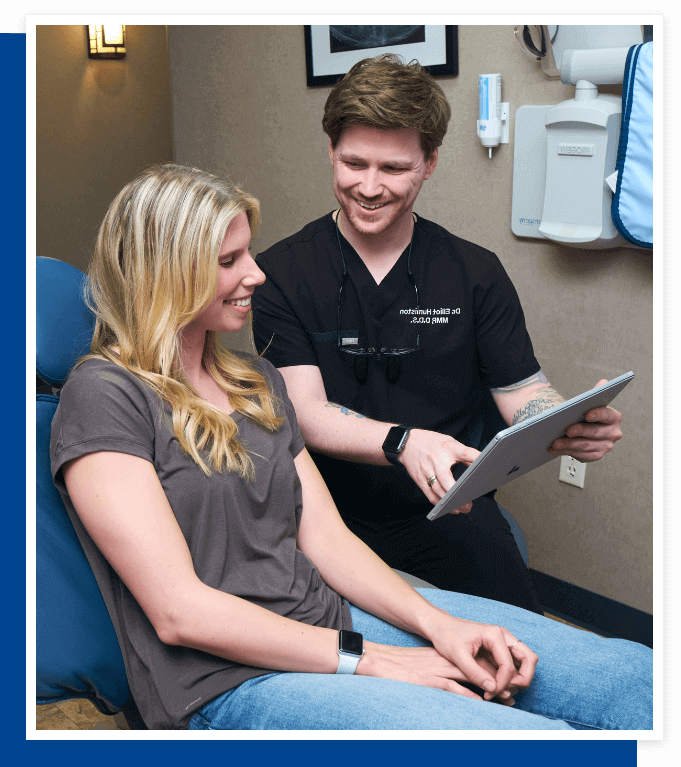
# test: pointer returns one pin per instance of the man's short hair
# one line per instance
(386, 93)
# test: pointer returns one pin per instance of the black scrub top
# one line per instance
(468, 328)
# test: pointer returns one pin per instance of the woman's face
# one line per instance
(238, 275)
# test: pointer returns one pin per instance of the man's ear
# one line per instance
(331, 151)
(431, 164)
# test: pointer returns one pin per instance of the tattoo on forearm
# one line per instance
(542, 400)
(345, 410)
(536, 378)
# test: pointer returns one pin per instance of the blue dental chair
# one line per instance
(77, 652)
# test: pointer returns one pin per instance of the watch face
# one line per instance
(403, 442)
(350, 642)
(395, 439)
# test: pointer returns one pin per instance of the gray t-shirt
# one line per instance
(241, 535)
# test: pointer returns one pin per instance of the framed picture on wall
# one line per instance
(330, 51)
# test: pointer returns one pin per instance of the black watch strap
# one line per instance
(394, 443)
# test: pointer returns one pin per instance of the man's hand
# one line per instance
(590, 441)
(429, 454)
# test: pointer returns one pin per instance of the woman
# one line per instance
(216, 545)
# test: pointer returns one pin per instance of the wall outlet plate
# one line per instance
(572, 471)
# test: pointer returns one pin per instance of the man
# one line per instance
(401, 344)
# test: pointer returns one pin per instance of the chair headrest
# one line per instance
(64, 323)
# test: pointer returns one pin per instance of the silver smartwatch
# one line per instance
(350, 651)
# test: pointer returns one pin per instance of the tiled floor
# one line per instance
(80, 714)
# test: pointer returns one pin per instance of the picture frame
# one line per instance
(332, 50)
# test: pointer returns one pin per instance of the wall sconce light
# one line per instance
(106, 41)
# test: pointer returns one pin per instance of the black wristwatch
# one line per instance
(395, 442)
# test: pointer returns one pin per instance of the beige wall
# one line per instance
(589, 314)
(98, 123)
(241, 106)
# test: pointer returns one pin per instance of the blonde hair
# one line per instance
(154, 269)
(386, 93)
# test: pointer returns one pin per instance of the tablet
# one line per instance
(521, 448)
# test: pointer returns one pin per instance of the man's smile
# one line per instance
(370, 206)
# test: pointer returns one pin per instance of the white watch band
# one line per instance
(347, 663)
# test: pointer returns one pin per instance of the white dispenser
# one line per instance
(492, 124)
(564, 158)
(581, 150)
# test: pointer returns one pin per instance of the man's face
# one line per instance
(377, 175)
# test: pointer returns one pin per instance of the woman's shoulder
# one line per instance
(96, 379)
(102, 406)
(95, 370)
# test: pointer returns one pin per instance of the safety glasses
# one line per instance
(344, 343)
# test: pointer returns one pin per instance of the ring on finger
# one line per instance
(431, 480)
(514, 644)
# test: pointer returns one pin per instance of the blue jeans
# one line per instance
(582, 681)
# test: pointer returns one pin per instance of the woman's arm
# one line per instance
(353, 570)
(119, 499)
(121, 503)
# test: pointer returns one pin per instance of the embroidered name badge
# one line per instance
(431, 316)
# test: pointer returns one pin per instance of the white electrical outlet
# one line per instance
(571, 471)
